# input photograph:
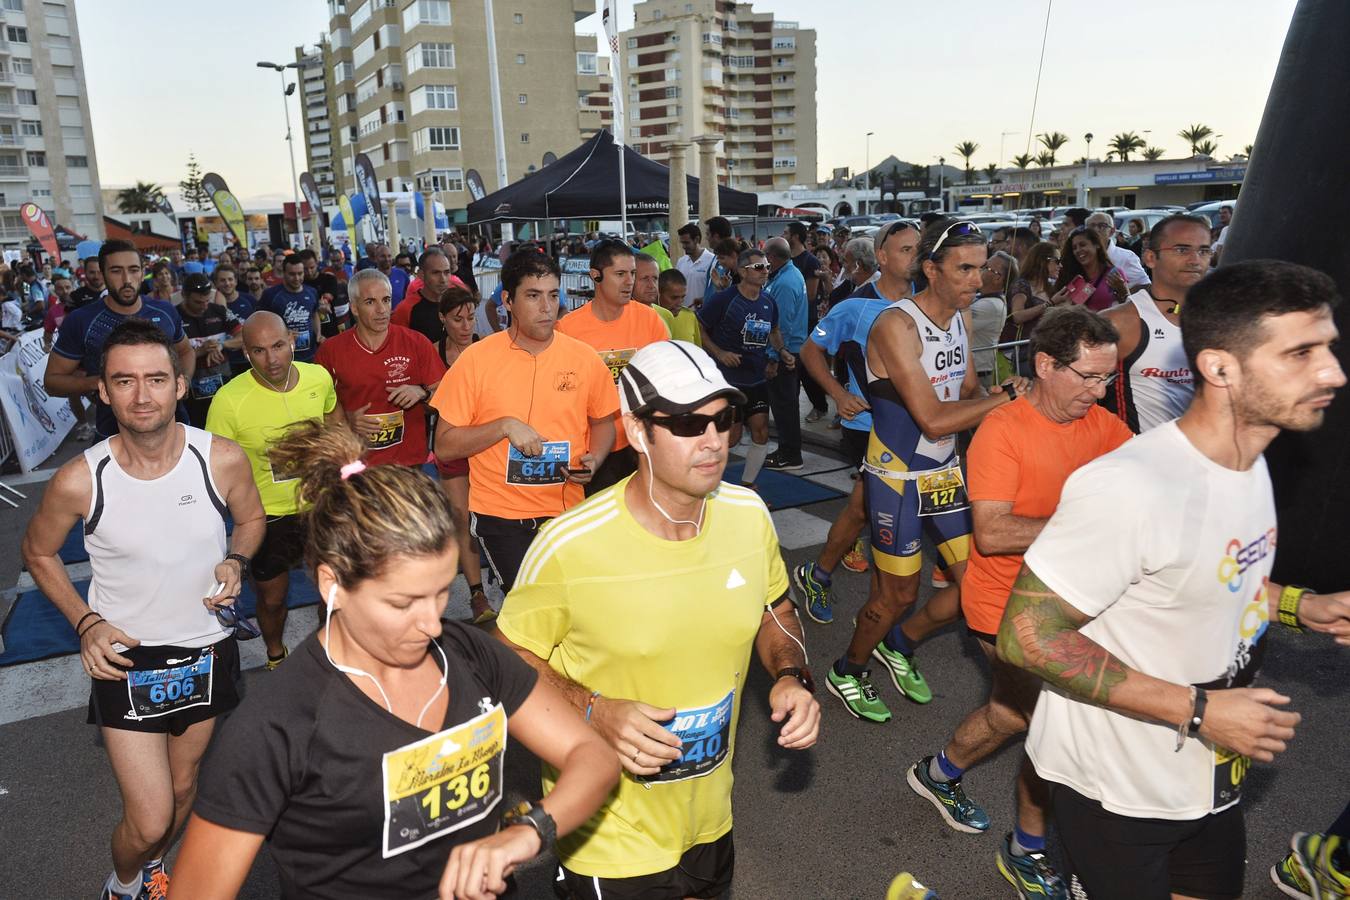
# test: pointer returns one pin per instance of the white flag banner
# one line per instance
(610, 17)
(37, 422)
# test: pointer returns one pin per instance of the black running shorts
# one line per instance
(282, 548)
(704, 871)
(1124, 858)
(168, 688)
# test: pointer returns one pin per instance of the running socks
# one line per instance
(133, 889)
(843, 667)
(476, 588)
(821, 575)
(754, 461)
(1023, 843)
(943, 769)
(896, 639)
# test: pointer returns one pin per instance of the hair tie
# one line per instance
(356, 467)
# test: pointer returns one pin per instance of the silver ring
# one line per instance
(635, 755)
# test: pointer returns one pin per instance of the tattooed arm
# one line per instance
(1040, 633)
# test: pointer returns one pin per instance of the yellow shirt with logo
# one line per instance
(256, 417)
(670, 623)
(683, 326)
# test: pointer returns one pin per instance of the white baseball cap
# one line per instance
(674, 377)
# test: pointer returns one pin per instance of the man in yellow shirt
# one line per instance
(671, 291)
(255, 409)
(643, 605)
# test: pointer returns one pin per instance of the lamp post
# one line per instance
(1087, 159)
(942, 202)
(867, 142)
(286, 91)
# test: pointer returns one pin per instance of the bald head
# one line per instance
(269, 347)
(262, 328)
(777, 251)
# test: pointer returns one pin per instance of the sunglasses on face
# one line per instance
(757, 267)
(695, 424)
(956, 229)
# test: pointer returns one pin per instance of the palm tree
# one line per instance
(1023, 160)
(917, 171)
(1125, 143)
(967, 149)
(991, 171)
(144, 197)
(1206, 148)
(1194, 135)
(1247, 151)
(1153, 154)
(1052, 141)
(1045, 158)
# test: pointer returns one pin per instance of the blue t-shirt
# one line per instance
(788, 287)
(738, 324)
(239, 310)
(843, 333)
(298, 312)
(84, 331)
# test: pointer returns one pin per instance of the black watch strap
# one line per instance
(536, 817)
(1009, 390)
(241, 559)
(803, 676)
(1198, 716)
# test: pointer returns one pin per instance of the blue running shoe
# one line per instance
(947, 798)
(817, 595)
(1031, 874)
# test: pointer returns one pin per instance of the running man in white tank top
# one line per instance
(1156, 383)
(153, 500)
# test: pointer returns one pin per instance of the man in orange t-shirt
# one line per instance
(532, 410)
(1018, 462)
(617, 328)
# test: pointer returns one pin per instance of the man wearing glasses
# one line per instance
(1019, 460)
(643, 606)
(162, 666)
(1121, 257)
(923, 390)
(739, 324)
(1156, 384)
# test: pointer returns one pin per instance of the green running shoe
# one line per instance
(904, 674)
(817, 595)
(1316, 855)
(1031, 874)
(859, 696)
(1290, 878)
(948, 798)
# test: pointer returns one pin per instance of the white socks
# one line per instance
(130, 890)
(754, 461)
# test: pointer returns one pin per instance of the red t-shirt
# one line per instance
(402, 314)
(362, 376)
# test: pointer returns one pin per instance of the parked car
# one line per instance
(1210, 210)
(1150, 217)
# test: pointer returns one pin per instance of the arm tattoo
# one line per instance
(1040, 634)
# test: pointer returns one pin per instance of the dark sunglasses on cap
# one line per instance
(695, 424)
(956, 229)
(892, 227)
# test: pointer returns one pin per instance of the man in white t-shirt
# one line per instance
(1148, 641)
(1225, 219)
(695, 263)
(1122, 258)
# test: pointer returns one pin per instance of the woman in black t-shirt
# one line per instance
(375, 751)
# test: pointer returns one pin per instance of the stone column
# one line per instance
(708, 205)
(391, 216)
(429, 217)
(679, 187)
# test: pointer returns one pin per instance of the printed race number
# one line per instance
(705, 738)
(941, 492)
(158, 692)
(391, 429)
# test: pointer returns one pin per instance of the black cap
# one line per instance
(196, 283)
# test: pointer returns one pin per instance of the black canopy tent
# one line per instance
(584, 184)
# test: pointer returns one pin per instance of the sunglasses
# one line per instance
(892, 228)
(695, 424)
(243, 629)
(757, 267)
(956, 229)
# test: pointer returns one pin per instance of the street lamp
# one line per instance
(941, 201)
(286, 91)
(868, 158)
(1087, 158)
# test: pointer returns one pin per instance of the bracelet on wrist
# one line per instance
(1183, 730)
(79, 635)
(1290, 598)
(590, 704)
(83, 618)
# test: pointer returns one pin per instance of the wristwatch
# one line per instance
(527, 813)
(803, 676)
(1009, 390)
(1290, 597)
(242, 560)
(1198, 713)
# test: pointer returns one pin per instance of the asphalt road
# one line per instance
(837, 821)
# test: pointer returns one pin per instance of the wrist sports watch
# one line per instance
(1198, 713)
(527, 813)
(803, 676)
(1009, 390)
(1290, 598)
(242, 560)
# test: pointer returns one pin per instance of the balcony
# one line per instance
(9, 109)
(13, 171)
(10, 140)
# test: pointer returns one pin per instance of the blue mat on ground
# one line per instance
(36, 630)
(779, 490)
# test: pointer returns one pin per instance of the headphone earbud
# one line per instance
(641, 444)
(599, 277)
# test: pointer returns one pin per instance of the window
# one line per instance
(632, 43)
(524, 137)
(518, 18)
(426, 12)
(437, 138)
(37, 158)
(785, 162)
(434, 96)
(31, 128)
(77, 162)
(17, 34)
(520, 59)
(522, 99)
(39, 192)
(431, 55)
(360, 16)
(81, 192)
(27, 97)
(784, 43)
(14, 5)
(586, 64)
(364, 51)
(672, 92)
(21, 66)
(343, 71)
(441, 180)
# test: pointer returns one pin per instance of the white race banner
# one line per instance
(37, 423)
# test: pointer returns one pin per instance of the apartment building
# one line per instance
(46, 138)
(318, 111)
(409, 86)
(717, 67)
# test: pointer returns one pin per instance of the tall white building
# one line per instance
(46, 138)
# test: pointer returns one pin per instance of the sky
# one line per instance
(167, 77)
